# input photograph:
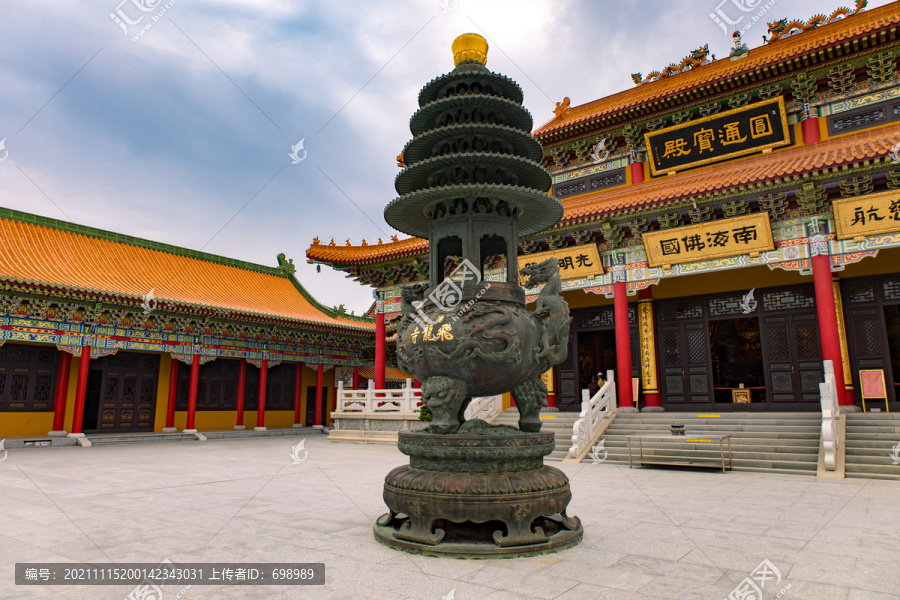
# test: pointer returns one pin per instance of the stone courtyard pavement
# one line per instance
(649, 534)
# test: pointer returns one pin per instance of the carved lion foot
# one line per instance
(444, 397)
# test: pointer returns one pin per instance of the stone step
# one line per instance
(871, 438)
(739, 464)
(622, 440)
(871, 444)
(874, 430)
(714, 454)
(872, 460)
(108, 439)
(735, 448)
(757, 435)
(870, 416)
(682, 416)
(765, 442)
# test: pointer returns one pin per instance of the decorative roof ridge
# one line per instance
(617, 101)
(111, 236)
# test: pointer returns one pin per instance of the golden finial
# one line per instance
(469, 46)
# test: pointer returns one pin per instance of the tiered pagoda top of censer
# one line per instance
(472, 183)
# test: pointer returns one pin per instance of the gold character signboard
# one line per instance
(871, 214)
(575, 262)
(746, 130)
(714, 239)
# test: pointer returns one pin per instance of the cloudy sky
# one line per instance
(179, 130)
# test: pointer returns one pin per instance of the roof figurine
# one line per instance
(562, 107)
(286, 266)
(783, 28)
(740, 49)
(695, 59)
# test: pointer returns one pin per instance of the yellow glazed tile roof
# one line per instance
(768, 55)
(56, 254)
(390, 374)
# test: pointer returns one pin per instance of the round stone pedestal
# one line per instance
(477, 494)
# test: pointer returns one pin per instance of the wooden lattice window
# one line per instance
(27, 377)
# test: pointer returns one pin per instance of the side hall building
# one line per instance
(729, 224)
(101, 332)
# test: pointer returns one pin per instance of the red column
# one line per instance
(319, 372)
(809, 125)
(80, 390)
(192, 393)
(173, 396)
(261, 411)
(637, 168)
(62, 390)
(380, 345)
(298, 381)
(551, 396)
(355, 378)
(241, 389)
(623, 346)
(828, 327)
(512, 401)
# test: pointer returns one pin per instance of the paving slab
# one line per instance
(649, 534)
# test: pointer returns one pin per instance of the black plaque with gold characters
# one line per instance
(746, 130)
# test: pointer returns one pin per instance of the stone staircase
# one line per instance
(560, 423)
(104, 439)
(770, 442)
(871, 439)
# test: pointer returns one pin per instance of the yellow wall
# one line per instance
(162, 392)
(25, 424)
(887, 261)
(726, 281)
(798, 134)
(70, 393)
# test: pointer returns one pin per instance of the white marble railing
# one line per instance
(593, 411)
(485, 408)
(406, 399)
(831, 410)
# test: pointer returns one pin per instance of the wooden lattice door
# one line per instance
(685, 363)
(127, 391)
(793, 357)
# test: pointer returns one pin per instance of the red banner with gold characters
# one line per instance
(715, 239)
(871, 214)
(746, 130)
